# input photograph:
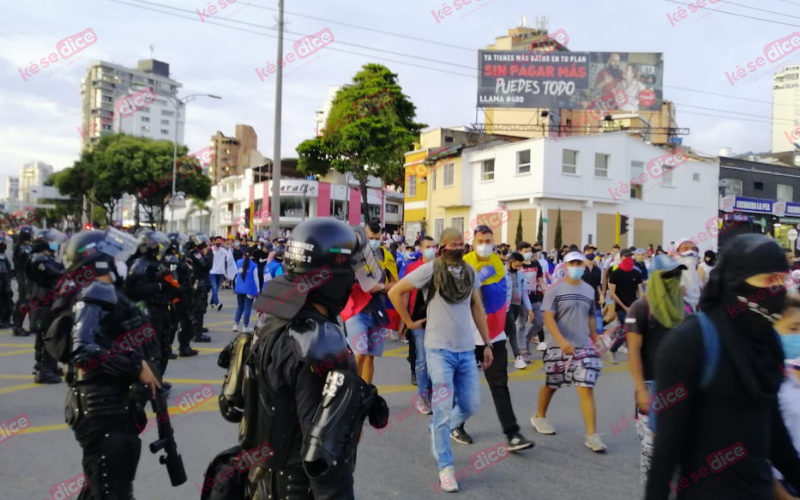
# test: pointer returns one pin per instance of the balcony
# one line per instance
(225, 217)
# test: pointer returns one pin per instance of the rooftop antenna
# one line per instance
(152, 49)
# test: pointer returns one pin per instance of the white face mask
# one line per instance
(689, 253)
(484, 251)
(429, 253)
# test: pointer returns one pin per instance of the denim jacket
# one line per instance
(524, 289)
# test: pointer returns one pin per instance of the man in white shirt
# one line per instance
(222, 258)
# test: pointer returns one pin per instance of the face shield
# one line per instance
(365, 265)
(117, 244)
(159, 242)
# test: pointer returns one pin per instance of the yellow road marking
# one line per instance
(15, 388)
(14, 353)
(15, 377)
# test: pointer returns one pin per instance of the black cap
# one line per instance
(625, 252)
(589, 246)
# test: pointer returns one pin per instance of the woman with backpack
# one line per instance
(246, 288)
(717, 379)
(648, 322)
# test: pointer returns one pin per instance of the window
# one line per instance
(695, 177)
(434, 175)
(164, 122)
(164, 112)
(487, 170)
(448, 139)
(758, 186)
(730, 187)
(145, 128)
(146, 110)
(601, 165)
(569, 162)
(392, 209)
(164, 131)
(524, 162)
(145, 119)
(666, 179)
(785, 192)
(458, 223)
(438, 227)
(411, 187)
(637, 169)
(449, 175)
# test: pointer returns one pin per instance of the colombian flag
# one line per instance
(494, 291)
(359, 298)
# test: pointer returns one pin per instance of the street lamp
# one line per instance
(177, 103)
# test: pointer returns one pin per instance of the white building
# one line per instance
(321, 114)
(106, 86)
(31, 175)
(785, 108)
(589, 179)
(12, 188)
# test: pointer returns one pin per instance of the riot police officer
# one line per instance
(312, 420)
(183, 307)
(6, 295)
(43, 274)
(197, 253)
(145, 284)
(100, 408)
(21, 256)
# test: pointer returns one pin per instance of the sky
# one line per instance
(39, 118)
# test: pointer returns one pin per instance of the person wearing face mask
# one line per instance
(518, 305)
(594, 277)
(639, 256)
(416, 350)
(491, 274)
(705, 267)
(527, 331)
(453, 308)
(648, 323)
(728, 361)
(366, 309)
(686, 254)
(624, 286)
(789, 395)
(569, 324)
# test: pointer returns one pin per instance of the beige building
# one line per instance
(231, 155)
(785, 108)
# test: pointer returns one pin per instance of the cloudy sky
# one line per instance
(39, 118)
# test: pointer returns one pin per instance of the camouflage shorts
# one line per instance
(581, 369)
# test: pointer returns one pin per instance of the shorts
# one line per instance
(365, 335)
(582, 369)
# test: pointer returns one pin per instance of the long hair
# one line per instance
(246, 263)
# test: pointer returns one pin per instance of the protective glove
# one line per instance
(378, 412)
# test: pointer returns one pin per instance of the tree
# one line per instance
(540, 233)
(369, 128)
(558, 231)
(198, 206)
(519, 228)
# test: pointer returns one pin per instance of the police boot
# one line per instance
(46, 377)
(187, 351)
(202, 338)
(46, 371)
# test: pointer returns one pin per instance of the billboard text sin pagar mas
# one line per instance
(569, 80)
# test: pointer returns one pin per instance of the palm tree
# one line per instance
(198, 206)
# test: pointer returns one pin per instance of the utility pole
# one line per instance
(616, 230)
(275, 202)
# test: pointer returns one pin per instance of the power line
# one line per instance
(737, 15)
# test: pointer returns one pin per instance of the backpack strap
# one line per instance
(710, 349)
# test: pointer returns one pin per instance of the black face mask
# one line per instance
(768, 309)
(334, 294)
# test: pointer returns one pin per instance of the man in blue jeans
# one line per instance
(221, 256)
(455, 303)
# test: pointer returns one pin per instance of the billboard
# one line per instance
(570, 80)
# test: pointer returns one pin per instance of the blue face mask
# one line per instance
(374, 244)
(575, 273)
(791, 346)
(54, 247)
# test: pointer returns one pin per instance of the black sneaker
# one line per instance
(413, 379)
(188, 351)
(459, 435)
(517, 442)
(46, 377)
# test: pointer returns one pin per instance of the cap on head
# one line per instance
(625, 252)
(574, 256)
(664, 262)
(589, 247)
(451, 235)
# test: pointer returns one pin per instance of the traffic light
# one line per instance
(623, 224)
(247, 217)
(87, 227)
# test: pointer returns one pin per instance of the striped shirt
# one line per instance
(573, 305)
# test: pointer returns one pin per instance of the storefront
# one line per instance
(775, 218)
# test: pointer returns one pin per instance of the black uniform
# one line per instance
(145, 284)
(6, 295)
(21, 256)
(201, 285)
(311, 417)
(100, 408)
(43, 274)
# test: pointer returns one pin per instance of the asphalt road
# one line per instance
(395, 463)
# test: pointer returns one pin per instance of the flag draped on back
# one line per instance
(494, 290)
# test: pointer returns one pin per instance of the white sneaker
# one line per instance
(609, 357)
(520, 363)
(235, 327)
(247, 329)
(542, 346)
(542, 426)
(623, 350)
(594, 443)
(447, 480)
(422, 408)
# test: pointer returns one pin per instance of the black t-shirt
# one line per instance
(536, 295)
(640, 321)
(627, 283)
(594, 277)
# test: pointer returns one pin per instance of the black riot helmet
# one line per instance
(177, 242)
(98, 249)
(46, 239)
(25, 233)
(320, 262)
(153, 243)
(200, 240)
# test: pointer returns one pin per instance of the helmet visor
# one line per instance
(51, 235)
(117, 244)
